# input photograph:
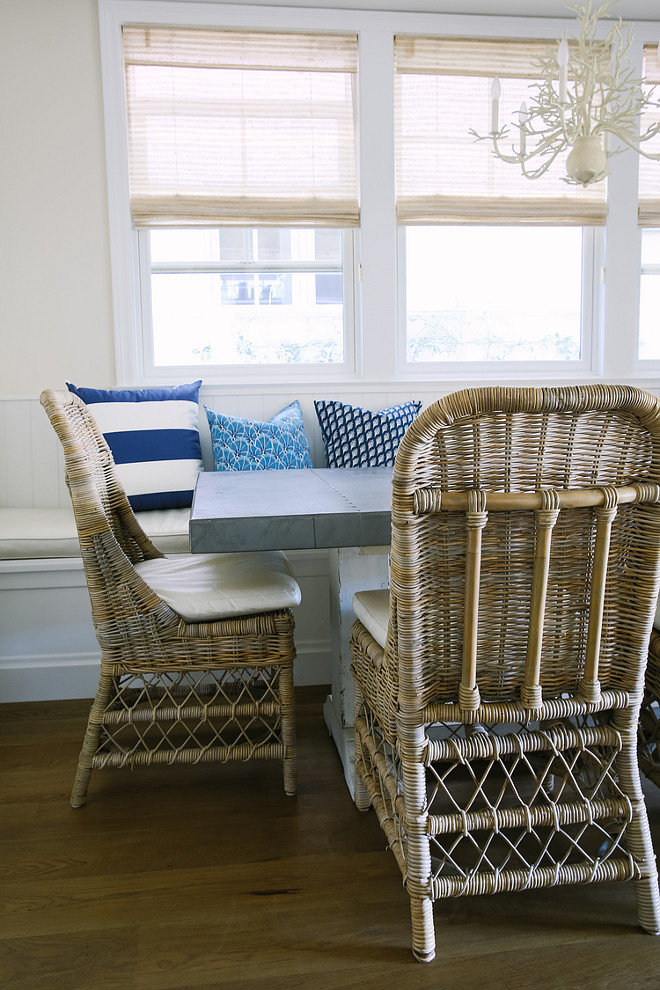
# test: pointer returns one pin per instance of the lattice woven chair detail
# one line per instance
(498, 682)
(195, 668)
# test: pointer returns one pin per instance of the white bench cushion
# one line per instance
(167, 529)
(38, 533)
(203, 587)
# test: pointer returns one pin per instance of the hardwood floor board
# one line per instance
(210, 878)
(103, 960)
(199, 894)
(378, 956)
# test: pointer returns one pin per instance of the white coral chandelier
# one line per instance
(585, 91)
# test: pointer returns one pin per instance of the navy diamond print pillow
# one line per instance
(250, 445)
(355, 437)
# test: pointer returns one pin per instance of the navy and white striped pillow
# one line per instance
(153, 434)
(356, 437)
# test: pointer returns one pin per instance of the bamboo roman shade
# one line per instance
(241, 127)
(649, 171)
(444, 176)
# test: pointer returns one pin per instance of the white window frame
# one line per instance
(611, 306)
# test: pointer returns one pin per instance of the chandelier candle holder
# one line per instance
(586, 91)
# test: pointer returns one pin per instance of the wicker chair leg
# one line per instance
(287, 703)
(91, 741)
(640, 844)
(423, 933)
(646, 888)
(648, 904)
(647, 894)
(360, 794)
(638, 833)
(290, 776)
(413, 742)
(81, 781)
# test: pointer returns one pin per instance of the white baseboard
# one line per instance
(48, 678)
(56, 678)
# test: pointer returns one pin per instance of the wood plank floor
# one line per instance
(209, 878)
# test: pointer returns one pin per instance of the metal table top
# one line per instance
(291, 510)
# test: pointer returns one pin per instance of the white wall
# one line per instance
(55, 289)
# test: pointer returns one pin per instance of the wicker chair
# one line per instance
(499, 680)
(196, 652)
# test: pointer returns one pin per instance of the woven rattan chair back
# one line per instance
(524, 579)
(170, 691)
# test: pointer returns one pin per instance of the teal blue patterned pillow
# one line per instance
(249, 445)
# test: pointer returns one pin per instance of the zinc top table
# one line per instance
(344, 510)
(310, 508)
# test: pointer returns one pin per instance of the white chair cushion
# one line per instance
(203, 587)
(372, 608)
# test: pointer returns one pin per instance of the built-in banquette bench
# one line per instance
(48, 648)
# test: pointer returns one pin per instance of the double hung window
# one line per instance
(243, 186)
(495, 263)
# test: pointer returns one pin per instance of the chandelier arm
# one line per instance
(542, 169)
(652, 131)
(551, 143)
(631, 143)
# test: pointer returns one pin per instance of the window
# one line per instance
(493, 293)
(501, 286)
(433, 264)
(242, 168)
(246, 296)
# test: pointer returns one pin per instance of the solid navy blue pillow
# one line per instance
(153, 434)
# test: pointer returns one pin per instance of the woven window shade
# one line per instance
(444, 176)
(649, 171)
(241, 128)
